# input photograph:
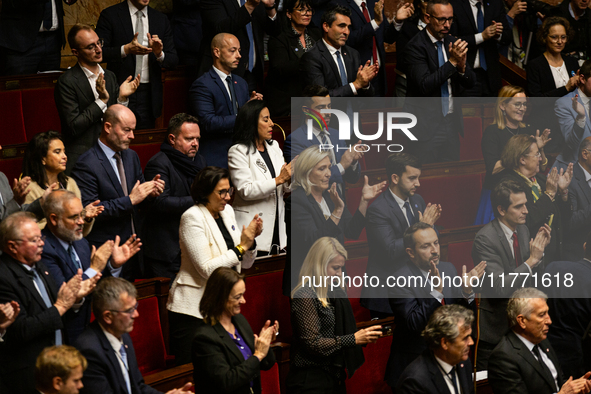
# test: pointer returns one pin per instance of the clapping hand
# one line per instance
(122, 253)
(431, 215)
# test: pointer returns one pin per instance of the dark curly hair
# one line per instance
(35, 152)
(542, 34)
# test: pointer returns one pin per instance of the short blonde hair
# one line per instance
(304, 165)
(57, 361)
(506, 93)
(315, 265)
(516, 147)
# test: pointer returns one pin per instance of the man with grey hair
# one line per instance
(43, 304)
(524, 361)
(446, 363)
(66, 251)
(106, 344)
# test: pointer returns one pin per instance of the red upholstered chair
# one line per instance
(270, 380)
(356, 268)
(145, 152)
(39, 112)
(12, 127)
(12, 168)
(369, 378)
(470, 145)
(176, 94)
(459, 254)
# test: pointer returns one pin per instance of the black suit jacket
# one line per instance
(80, 116)
(579, 194)
(116, 28)
(512, 368)
(218, 365)
(317, 67)
(407, 32)
(34, 328)
(386, 224)
(540, 82)
(464, 27)
(424, 376)
(103, 374)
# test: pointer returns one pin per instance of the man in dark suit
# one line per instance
(215, 98)
(66, 251)
(12, 199)
(131, 48)
(112, 365)
(31, 35)
(445, 367)
(248, 20)
(423, 291)
(580, 197)
(437, 68)
(177, 163)
(24, 279)
(388, 217)
(83, 93)
(524, 361)
(505, 245)
(334, 65)
(483, 25)
(344, 162)
(187, 31)
(111, 172)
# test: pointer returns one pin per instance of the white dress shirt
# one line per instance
(445, 371)
(54, 20)
(333, 52)
(92, 77)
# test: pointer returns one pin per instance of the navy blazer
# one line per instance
(97, 180)
(298, 140)
(424, 376)
(187, 26)
(115, 26)
(317, 67)
(103, 374)
(464, 27)
(386, 224)
(34, 328)
(579, 194)
(210, 102)
(412, 307)
(410, 28)
(540, 82)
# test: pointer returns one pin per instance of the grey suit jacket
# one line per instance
(491, 245)
(579, 194)
(80, 116)
(9, 206)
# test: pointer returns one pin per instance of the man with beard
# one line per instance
(66, 251)
(421, 286)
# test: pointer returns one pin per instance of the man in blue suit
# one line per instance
(112, 173)
(388, 217)
(66, 251)
(345, 165)
(216, 97)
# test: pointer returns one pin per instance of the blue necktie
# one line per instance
(480, 20)
(251, 40)
(125, 373)
(452, 374)
(47, 16)
(45, 296)
(341, 69)
(232, 94)
(409, 215)
(74, 257)
(444, 88)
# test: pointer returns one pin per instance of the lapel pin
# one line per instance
(461, 365)
(296, 49)
(233, 228)
(46, 273)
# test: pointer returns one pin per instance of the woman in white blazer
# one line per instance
(260, 175)
(209, 238)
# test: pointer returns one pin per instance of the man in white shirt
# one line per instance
(84, 92)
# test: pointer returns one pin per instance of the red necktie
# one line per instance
(374, 49)
(516, 250)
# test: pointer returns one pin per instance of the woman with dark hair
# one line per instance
(327, 345)
(553, 74)
(45, 162)
(227, 356)
(285, 52)
(209, 238)
(261, 177)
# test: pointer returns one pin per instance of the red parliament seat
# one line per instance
(12, 168)
(12, 127)
(145, 152)
(356, 268)
(459, 254)
(270, 380)
(39, 112)
(369, 378)
(470, 148)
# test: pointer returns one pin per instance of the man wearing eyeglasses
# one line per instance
(84, 92)
(112, 366)
(43, 304)
(66, 251)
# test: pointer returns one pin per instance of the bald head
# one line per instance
(225, 50)
(118, 126)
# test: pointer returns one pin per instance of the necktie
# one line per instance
(516, 250)
(139, 28)
(452, 375)
(444, 88)
(409, 215)
(251, 40)
(232, 94)
(47, 15)
(374, 49)
(45, 296)
(341, 69)
(73, 256)
(126, 372)
(325, 139)
(480, 21)
(536, 350)
(123, 180)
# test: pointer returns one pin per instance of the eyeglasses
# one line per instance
(538, 155)
(93, 47)
(35, 240)
(304, 11)
(557, 38)
(75, 218)
(129, 311)
(224, 193)
(519, 105)
(442, 21)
